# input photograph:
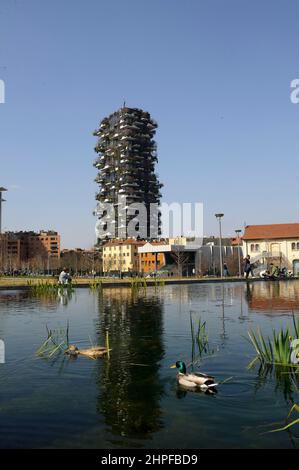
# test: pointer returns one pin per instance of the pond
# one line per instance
(133, 400)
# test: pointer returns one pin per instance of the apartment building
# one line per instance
(38, 248)
(127, 155)
(121, 256)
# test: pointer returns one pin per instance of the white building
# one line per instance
(277, 243)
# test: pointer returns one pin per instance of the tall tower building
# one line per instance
(127, 154)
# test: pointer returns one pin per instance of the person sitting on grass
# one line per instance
(64, 277)
(273, 273)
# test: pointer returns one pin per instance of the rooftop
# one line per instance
(271, 231)
(124, 242)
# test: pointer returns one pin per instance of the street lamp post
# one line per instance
(219, 217)
(239, 256)
(1, 200)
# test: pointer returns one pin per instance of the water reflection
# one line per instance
(286, 380)
(132, 400)
(55, 297)
(7, 297)
(270, 297)
(130, 386)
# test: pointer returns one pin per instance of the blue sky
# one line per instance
(215, 74)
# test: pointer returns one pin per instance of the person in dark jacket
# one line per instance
(248, 266)
(225, 270)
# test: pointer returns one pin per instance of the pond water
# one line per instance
(133, 400)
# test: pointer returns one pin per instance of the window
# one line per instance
(294, 246)
(254, 247)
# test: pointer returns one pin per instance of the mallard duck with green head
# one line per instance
(193, 381)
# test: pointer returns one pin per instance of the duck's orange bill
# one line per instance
(173, 366)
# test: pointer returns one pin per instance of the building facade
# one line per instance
(276, 243)
(30, 250)
(127, 155)
(121, 256)
(3, 250)
(151, 260)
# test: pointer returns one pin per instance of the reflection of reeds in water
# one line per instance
(49, 291)
(279, 354)
(138, 283)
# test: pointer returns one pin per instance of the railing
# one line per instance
(266, 255)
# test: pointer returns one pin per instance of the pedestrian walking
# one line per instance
(225, 270)
(248, 267)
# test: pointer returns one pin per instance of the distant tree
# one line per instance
(181, 259)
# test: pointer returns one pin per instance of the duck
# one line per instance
(193, 381)
(93, 353)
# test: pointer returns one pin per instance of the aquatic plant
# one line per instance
(138, 283)
(159, 282)
(278, 357)
(95, 285)
(47, 287)
(199, 335)
(199, 338)
(288, 425)
(57, 341)
(277, 351)
(288, 422)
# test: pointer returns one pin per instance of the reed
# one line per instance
(47, 287)
(96, 285)
(159, 282)
(199, 336)
(138, 283)
(57, 342)
(289, 424)
(278, 350)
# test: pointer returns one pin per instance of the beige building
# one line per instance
(277, 243)
(121, 256)
(29, 249)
